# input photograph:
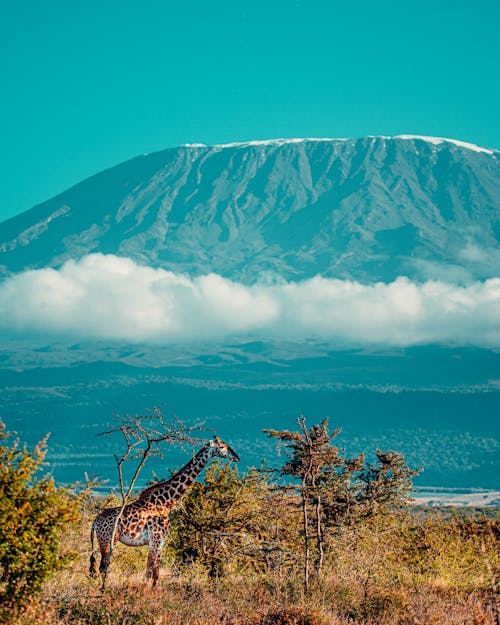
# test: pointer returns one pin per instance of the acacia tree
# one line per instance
(335, 490)
(385, 484)
(312, 459)
(365, 489)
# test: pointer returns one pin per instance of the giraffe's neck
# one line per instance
(171, 491)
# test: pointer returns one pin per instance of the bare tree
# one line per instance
(145, 436)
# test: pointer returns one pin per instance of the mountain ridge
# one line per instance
(284, 140)
(365, 209)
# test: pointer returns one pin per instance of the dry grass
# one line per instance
(75, 600)
(370, 580)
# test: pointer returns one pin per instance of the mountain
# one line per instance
(367, 209)
(363, 209)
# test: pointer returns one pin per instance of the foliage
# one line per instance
(361, 489)
(224, 519)
(459, 553)
(33, 515)
(290, 615)
(336, 490)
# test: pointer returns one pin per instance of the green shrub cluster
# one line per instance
(34, 513)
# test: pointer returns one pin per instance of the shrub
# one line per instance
(224, 519)
(33, 513)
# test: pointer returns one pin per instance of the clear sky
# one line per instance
(88, 84)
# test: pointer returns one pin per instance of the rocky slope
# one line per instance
(368, 209)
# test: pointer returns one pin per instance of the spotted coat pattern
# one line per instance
(145, 520)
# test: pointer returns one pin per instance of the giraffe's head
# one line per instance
(222, 450)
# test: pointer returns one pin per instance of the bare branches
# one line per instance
(145, 436)
(151, 431)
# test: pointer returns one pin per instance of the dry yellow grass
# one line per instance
(248, 602)
(372, 577)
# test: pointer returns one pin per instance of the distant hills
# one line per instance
(367, 209)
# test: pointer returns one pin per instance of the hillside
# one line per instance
(367, 209)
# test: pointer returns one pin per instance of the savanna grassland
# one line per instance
(418, 569)
(335, 543)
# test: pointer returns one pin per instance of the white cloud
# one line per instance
(487, 258)
(107, 297)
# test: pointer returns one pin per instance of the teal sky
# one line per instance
(86, 85)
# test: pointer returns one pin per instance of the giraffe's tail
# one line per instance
(92, 567)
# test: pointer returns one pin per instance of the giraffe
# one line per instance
(145, 520)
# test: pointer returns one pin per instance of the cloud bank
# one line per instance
(113, 298)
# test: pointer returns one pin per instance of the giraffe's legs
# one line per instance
(105, 562)
(154, 556)
(92, 567)
(158, 532)
(153, 564)
(92, 564)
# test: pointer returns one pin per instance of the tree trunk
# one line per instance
(319, 534)
(306, 541)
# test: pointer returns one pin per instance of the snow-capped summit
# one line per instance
(438, 140)
(302, 140)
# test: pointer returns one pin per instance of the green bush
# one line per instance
(33, 513)
(228, 523)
